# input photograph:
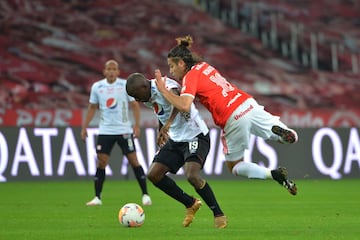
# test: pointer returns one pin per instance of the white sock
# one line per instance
(251, 170)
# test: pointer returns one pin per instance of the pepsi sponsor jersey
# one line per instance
(113, 103)
(185, 126)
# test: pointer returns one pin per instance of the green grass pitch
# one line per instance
(256, 209)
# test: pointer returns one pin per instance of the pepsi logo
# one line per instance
(111, 103)
(158, 109)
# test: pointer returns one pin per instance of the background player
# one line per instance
(110, 97)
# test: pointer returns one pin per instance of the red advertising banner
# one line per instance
(74, 118)
(40, 118)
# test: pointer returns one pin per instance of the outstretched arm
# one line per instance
(182, 103)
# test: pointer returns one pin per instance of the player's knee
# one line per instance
(154, 177)
(195, 180)
(134, 163)
(132, 158)
(102, 163)
(102, 160)
(231, 165)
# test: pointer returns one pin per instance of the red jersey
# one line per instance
(219, 96)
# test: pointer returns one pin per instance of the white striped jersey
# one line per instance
(185, 126)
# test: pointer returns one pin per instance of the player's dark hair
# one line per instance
(182, 51)
(133, 82)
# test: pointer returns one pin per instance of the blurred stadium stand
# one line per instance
(288, 54)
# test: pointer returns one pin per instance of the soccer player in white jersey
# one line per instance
(184, 142)
(110, 97)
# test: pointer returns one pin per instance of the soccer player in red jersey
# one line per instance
(236, 112)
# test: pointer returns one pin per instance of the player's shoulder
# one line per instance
(120, 82)
(118, 79)
(100, 83)
(171, 83)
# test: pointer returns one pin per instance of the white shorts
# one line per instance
(249, 118)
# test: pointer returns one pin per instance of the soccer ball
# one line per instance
(131, 215)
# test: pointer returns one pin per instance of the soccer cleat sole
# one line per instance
(291, 187)
(287, 135)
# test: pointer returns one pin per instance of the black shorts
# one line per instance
(105, 143)
(175, 154)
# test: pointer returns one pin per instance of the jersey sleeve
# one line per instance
(190, 84)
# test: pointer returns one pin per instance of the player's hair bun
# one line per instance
(186, 41)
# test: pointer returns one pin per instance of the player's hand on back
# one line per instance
(160, 81)
(163, 136)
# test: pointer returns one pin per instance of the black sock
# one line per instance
(99, 181)
(208, 196)
(141, 178)
(168, 186)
